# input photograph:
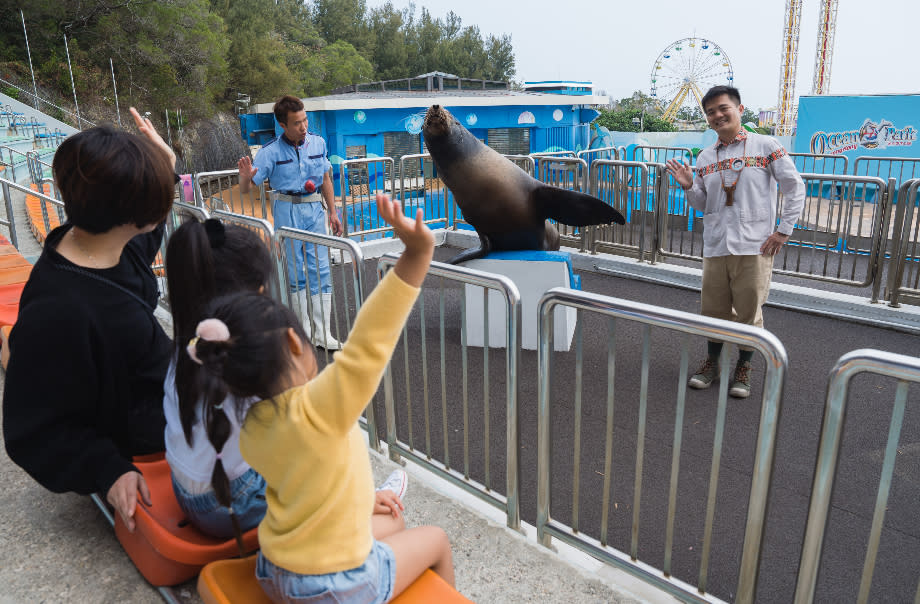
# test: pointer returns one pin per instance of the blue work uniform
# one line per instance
(289, 166)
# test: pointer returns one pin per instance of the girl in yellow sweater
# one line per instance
(303, 438)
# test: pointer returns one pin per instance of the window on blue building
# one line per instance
(509, 141)
(397, 144)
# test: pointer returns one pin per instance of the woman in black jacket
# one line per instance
(84, 389)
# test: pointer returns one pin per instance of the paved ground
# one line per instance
(813, 344)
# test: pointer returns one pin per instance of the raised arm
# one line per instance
(342, 390)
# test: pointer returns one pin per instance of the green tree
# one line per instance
(750, 116)
(173, 51)
(391, 52)
(258, 58)
(621, 120)
(344, 20)
(500, 58)
(342, 65)
(424, 39)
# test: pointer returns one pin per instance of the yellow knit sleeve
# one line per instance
(342, 390)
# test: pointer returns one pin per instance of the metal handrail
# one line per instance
(437, 206)
(512, 299)
(906, 370)
(905, 218)
(5, 186)
(285, 240)
(714, 329)
(350, 201)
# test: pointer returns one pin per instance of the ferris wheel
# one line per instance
(685, 70)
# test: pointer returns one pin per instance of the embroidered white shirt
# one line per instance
(741, 228)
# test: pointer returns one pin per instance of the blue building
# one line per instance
(384, 119)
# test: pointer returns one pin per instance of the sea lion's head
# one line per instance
(438, 123)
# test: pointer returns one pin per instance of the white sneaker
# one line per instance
(397, 482)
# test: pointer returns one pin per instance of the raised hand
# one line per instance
(681, 172)
(415, 234)
(247, 170)
(145, 126)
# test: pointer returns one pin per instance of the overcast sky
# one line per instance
(614, 43)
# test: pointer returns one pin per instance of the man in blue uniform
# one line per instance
(301, 176)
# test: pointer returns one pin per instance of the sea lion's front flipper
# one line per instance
(573, 208)
(485, 246)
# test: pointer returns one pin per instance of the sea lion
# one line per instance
(507, 207)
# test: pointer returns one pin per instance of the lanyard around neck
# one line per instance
(730, 189)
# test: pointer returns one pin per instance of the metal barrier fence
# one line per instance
(360, 180)
(436, 453)
(898, 168)
(837, 238)
(7, 186)
(11, 160)
(524, 162)
(264, 229)
(591, 155)
(346, 261)
(540, 154)
(419, 187)
(220, 190)
(680, 226)
(570, 173)
(905, 370)
(179, 213)
(623, 185)
(660, 155)
(817, 163)
(904, 271)
(622, 316)
(39, 170)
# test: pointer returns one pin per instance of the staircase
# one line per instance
(28, 139)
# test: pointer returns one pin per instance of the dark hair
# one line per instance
(256, 357)
(109, 177)
(717, 91)
(204, 261)
(285, 105)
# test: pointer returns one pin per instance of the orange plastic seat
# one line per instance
(13, 261)
(165, 547)
(226, 581)
(34, 213)
(234, 582)
(16, 274)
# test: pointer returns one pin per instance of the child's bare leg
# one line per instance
(417, 549)
(384, 525)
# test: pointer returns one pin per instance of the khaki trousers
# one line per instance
(736, 287)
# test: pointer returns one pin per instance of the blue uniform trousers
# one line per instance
(306, 217)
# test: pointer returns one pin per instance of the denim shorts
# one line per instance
(370, 583)
(203, 510)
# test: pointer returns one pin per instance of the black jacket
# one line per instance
(84, 387)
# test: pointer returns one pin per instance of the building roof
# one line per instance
(398, 99)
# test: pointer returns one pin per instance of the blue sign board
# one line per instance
(859, 125)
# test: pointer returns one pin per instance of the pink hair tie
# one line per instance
(212, 330)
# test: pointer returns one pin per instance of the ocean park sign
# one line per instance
(879, 125)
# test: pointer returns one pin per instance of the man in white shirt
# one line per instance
(735, 188)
